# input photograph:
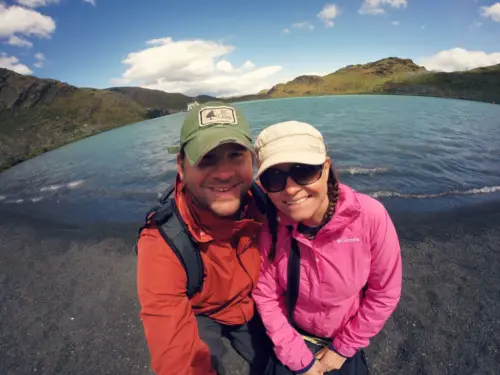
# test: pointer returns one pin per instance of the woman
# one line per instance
(340, 249)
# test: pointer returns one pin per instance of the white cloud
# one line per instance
(28, 22)
(12, 63)
(424, 27)
(193, 67)
(303, 25)
(19, 42)
(395, 23)
(224, 66)
(248, 65)
(328, 14)
(37, 3)
(459, 59)
(91, 2)
(376, 7)
(286, 30)
(40, 60)
(492, 12)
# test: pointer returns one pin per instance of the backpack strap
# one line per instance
(293, 278)
(166, 194)
(175, 232)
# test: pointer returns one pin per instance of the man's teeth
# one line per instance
(221, 190)
(298, 201)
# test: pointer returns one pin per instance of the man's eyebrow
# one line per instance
(239, 148)
(209, 155)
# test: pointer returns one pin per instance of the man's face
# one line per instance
(220, 179)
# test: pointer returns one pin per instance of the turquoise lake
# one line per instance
(413, 153)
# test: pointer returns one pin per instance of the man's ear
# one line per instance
(180, 167)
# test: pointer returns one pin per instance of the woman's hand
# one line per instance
(329, 359)
(316, 369)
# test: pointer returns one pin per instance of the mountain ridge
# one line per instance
(393, 76)
(40, 114)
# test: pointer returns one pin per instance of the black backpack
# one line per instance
(175, 232)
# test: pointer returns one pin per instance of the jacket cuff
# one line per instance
(307, 368)
(342, 350)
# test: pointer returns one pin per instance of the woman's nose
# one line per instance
(291, 186)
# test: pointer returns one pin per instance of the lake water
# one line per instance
(413, 153)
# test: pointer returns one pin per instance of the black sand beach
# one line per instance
(69, 304)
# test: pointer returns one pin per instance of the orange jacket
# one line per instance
(231, 261)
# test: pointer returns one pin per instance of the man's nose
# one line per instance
(223, 170)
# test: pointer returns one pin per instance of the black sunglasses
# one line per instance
(275, 180)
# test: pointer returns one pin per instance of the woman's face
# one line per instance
(303, 196)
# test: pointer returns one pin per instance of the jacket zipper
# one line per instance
(244, 269)
(241, 263)
(226, 304)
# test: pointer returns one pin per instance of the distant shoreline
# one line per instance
(359, 94)
(7, 165)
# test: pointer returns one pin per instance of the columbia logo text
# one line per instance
(344, 240)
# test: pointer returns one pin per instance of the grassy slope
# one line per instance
(395, 76)
(171, 102)
(25, 133)
(353, 79)
(481, 84)
(37, 115)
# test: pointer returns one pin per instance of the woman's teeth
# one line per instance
(298, 201)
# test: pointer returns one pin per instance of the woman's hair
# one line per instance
(333, 196)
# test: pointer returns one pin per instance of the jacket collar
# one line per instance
(347, 210)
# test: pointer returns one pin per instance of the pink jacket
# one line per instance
(358, 247)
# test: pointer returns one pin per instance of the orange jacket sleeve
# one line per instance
(169, 323)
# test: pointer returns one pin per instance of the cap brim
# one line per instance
(303, 157)
(173, 149)
(210, 138)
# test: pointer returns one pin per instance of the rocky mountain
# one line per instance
(383, 68)
(394, 76)
(352, 79)
(37, 115)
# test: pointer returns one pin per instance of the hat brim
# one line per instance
(302, 157)
(173, 149)
(209, 139)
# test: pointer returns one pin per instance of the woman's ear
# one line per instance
(328, 162)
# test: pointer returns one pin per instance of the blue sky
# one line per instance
(201, 46)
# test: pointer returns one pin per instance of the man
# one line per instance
(212, 193)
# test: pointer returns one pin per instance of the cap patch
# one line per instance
(218, 115)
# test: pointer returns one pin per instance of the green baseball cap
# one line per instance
(209, 125)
